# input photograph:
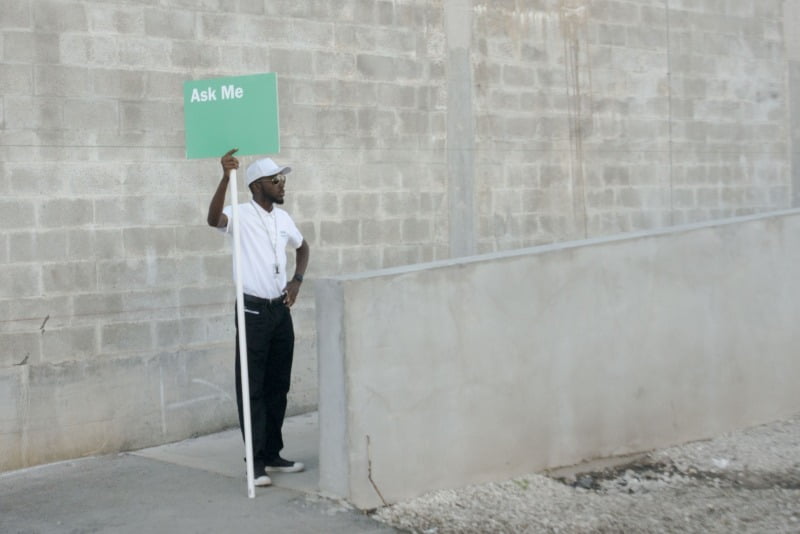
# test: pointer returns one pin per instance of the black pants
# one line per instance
(270, 348)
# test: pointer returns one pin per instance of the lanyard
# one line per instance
(272, 237)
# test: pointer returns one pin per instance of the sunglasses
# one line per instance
(278, 179)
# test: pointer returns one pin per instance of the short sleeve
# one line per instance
(228, 212)
(294, 237)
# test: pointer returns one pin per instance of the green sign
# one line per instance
(237, 112)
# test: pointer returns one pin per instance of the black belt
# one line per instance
(258, 301)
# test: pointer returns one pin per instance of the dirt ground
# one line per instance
(742, 482)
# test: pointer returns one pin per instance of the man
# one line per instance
(265, 231)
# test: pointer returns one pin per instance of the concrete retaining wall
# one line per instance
(459, 372)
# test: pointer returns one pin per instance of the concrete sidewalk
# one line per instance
(197, 485)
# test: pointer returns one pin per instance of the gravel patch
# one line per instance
(745, 482)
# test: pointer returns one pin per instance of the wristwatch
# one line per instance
(298, 277)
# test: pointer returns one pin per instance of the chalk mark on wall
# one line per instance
(218, 395)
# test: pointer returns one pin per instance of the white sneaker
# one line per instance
(262, 481)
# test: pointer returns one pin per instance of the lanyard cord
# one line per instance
(272, 243)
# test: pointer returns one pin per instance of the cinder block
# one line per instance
(218, 270)
(170, 23)
(40, 246)
(346, 93)
(54, 16)
(108, 243)
(396, 41)
(400, 255)
(381, 232)
(159, 180)
(149, 116)
(163, 85)
(68, 344)
(517, 76)
(149, 242)
(628, 198)
(20, 349)
(253, 58)
(16, 79)
(115, 19)
(30, 314)
(376, 123)
(39, 113)
(181, 332)
(57, 80)
(334, 63)
(120, 83)
(165, 209)
(137, 274)
(193, 331)
(191, 269)
(312, 33)
(337, 121)
(69, 277)
(220, 329)
(221, 25)
(4, 253)
(399, 204)
(333, 233)
(291, 63)
(29, 47)
(192, 299)
(17, 213)
(416, 231)
(124, 337)
(95, 50)
(354, 38)
(360, 204)
(611, 34)
(199, 239)
(408, 69)
(144, 52)
(17, 281)
(130, 210)
(414, 123)
(373, 67)
(168, 334)
(95, 114)
(17, 15)
(64, 212)
(191, 54)
(309, 231)
(103, 306)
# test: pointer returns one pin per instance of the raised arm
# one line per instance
(215, 217)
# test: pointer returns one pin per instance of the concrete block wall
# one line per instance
(418, 131)
(594, 118)
(480, 369)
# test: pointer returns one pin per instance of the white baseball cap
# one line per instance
(265, 167)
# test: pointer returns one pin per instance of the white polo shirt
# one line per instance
(264, 237)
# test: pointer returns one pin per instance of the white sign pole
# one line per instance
(248, 431)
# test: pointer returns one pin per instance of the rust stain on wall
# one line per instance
(573, 18)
